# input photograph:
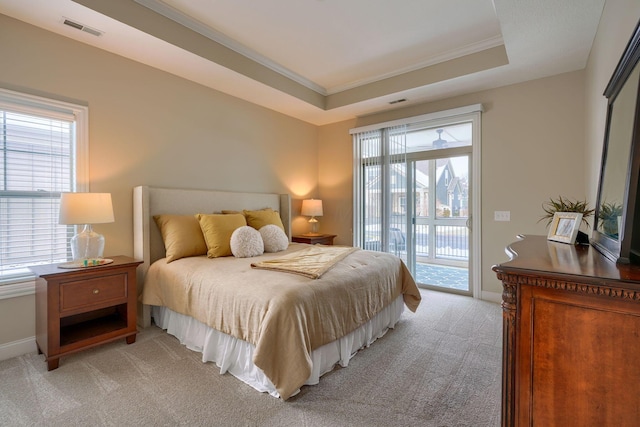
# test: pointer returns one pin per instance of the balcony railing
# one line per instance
(448, 242)
(451, 242)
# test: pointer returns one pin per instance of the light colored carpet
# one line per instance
(439, 367)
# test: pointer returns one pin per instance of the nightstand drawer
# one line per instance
(100, 291)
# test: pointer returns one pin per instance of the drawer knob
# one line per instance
(96, 291)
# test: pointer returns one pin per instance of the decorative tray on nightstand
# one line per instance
(85, 263)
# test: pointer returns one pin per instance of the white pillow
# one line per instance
(274, 238)
(246, 242)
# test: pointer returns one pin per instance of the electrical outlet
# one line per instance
(502, 215)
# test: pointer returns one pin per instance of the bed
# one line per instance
(275, 331)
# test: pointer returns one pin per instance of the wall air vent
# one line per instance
(82, 27)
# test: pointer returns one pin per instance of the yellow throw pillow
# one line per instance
(258, 219)
(217, 230)
(181, 235)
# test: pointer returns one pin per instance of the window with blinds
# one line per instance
(38, 161)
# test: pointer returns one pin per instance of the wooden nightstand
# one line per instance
(84, 307)
(321, 239)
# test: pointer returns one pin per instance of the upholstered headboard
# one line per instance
(149, 201)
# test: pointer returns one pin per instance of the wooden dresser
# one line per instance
(571, 343)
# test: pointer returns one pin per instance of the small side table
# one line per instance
(81, 308)
(320, 239)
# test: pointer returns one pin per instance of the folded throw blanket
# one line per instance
(311, 262)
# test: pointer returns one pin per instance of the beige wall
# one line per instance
(532, 149)
(150, 127)
(17, 319)
(335, 173)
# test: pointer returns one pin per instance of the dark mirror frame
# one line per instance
(626, 247)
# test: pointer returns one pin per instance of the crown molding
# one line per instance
(433, 60)
(175, 15)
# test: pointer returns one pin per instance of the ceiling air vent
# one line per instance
(397, 101)
(82, 27)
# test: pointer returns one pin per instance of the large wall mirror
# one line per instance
(617, 223)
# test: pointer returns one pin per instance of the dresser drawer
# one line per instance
(96, 292)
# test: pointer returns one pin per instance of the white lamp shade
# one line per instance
(312, 207)
(85, 208)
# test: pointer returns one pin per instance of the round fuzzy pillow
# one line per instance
(274, 238)
(246, 242)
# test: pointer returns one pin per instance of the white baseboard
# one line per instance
(18, 348)
(492, 296)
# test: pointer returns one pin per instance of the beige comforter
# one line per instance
(285, 316)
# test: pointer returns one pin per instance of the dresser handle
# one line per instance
(96, 291)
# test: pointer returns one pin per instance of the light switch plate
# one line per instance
(502, 215)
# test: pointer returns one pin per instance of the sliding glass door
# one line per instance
(415, 187)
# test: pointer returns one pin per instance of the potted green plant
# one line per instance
(608, 217)
(564, 204)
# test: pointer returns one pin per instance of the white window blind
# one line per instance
(379, 182)
(38, 161)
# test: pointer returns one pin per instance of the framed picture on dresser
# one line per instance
(564, 227)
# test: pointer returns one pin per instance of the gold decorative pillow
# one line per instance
(181, 235)
(217, 230)
(258, 219)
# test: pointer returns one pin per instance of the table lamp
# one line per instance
(312, 208)
(86, 209)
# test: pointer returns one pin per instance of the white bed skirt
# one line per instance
(236, 356)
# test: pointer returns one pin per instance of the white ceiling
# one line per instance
(329, 60)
